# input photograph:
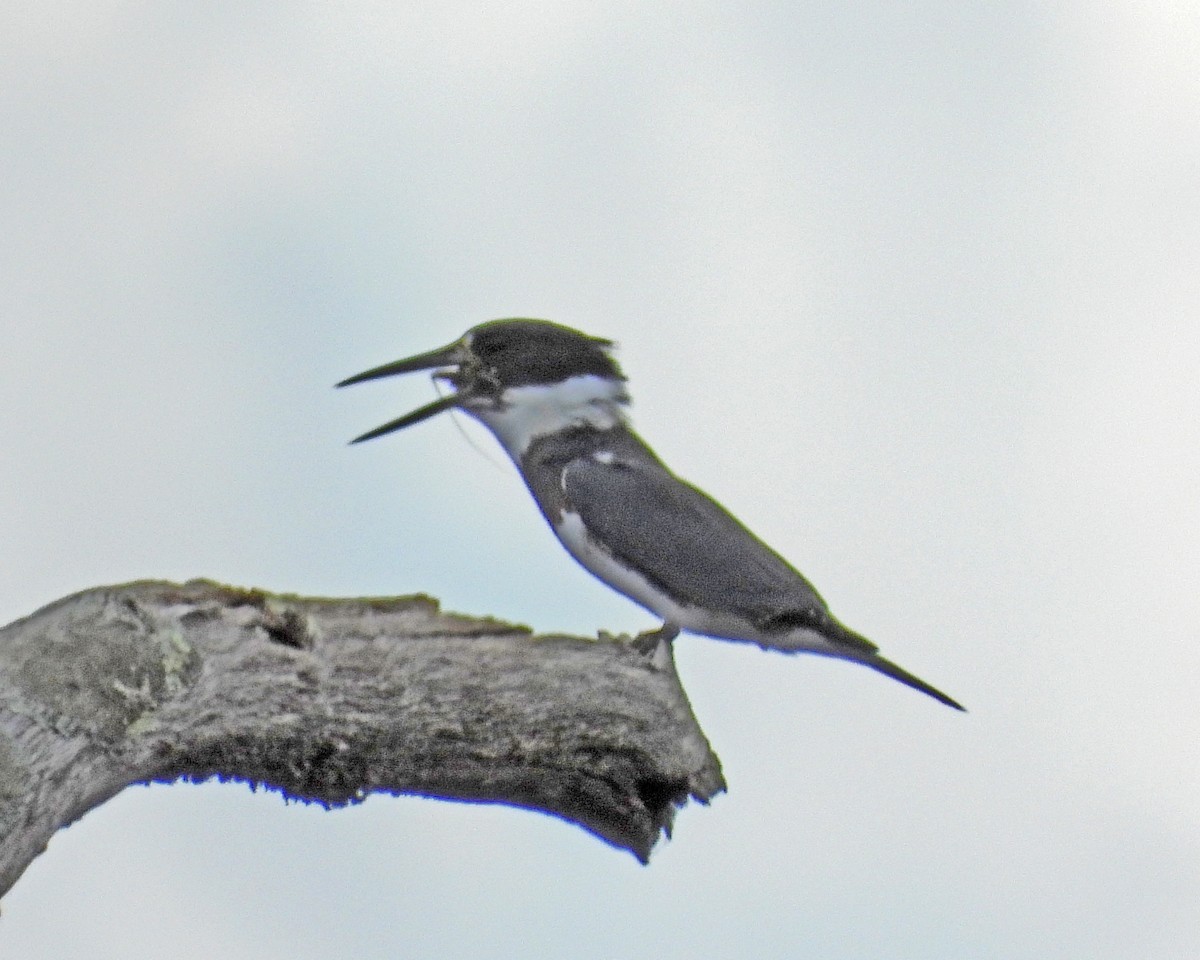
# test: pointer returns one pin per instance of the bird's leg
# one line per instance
(646, 643)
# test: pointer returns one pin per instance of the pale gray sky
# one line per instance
(911, 288)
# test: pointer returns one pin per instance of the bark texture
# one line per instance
(330, 700)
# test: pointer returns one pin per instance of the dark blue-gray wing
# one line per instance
(686, 543)
(689, 546)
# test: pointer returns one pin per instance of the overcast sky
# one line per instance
(911, 288)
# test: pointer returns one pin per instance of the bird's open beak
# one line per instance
(448, 356)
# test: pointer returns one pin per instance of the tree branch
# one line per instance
(329, 701)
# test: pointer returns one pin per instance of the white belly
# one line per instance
(574, 536)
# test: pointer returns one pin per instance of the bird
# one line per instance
(556, 400)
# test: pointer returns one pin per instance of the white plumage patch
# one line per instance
(595, 558)
(526, 413)
(573, 535)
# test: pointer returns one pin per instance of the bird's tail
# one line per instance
(896, 672)
(829, 637)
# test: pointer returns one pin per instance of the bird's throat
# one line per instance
(527, 412)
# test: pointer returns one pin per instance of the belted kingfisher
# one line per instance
(555, 399)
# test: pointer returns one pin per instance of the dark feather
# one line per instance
(692, 548)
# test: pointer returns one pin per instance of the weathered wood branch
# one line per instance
(328, 701)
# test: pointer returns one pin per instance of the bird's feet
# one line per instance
(646, 643)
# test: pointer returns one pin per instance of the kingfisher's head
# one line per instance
(522, 378)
